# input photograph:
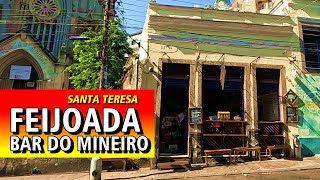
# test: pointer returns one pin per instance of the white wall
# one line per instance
(281, 10)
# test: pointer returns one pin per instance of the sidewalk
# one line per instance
(266, 166)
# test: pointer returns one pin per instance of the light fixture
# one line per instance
(78, 38)
(293, 72)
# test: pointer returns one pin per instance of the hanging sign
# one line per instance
(223, 76)
(20, 72)
(291, 98)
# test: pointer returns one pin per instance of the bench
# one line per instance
(247, 149)
(217, 152)
(269, 149)
(124, 161)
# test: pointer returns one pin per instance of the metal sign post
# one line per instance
(105, 78)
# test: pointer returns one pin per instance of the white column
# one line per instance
(95, 169)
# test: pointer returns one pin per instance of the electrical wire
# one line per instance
(102, 24)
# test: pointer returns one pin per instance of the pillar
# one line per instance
(195, 101)
(252, 113)
(95, 169)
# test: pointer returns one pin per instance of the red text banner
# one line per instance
(77, 124)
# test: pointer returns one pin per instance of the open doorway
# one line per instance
(174, 103)
(230, 99)
(218, 132)
(19, 75)
(30, 83)
(268, 94)
(270, 126)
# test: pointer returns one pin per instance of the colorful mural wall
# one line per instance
(308, 88)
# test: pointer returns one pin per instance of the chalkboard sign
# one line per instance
(195, 115)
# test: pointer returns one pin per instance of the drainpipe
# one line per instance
(295, 144)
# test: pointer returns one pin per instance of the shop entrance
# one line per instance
(268, 94)
(270, 126)
(223, 133)
(215, 99)
(27, 84)
(19, 75)
(174, 106)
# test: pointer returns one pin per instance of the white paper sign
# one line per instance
(31, 84)
(305, 132)
(20, 72)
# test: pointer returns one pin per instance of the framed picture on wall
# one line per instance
(195, 115)
(292, 114)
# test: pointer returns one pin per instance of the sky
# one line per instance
(133, 12)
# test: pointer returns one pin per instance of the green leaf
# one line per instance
(85, 72)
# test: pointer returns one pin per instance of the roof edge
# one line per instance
(53, 58)
(236, 12)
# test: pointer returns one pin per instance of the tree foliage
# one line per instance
(85, 71)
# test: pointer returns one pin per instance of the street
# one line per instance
(288, 175)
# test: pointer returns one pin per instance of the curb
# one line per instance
(251, 172)
(150, 176)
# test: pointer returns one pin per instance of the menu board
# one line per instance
(196, 115)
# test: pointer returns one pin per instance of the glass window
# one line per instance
(311, 46)
(270, 4)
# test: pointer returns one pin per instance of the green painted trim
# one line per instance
(312, 9)
(292, 41)
(190, 48)
(308, 20)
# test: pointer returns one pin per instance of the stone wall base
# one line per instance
(22, 167)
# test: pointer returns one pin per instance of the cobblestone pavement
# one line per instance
(242, 170)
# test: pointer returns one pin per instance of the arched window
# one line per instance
(49, 23)
(44, 32)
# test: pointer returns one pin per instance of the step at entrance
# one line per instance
(174, 165)
(170, 162)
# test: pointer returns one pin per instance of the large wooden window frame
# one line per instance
(303, 57)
